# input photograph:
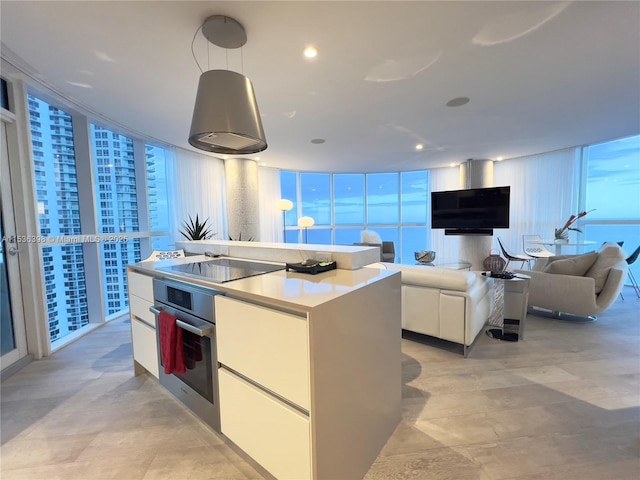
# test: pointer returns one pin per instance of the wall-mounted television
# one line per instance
(476, 211)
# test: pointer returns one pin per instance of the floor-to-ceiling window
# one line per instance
(54, 164)
(157, 159)
(612, 191)
(92, 229)
(115, 186)
(343, 204)
(348, 207)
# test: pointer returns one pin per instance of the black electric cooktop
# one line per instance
(221, 270)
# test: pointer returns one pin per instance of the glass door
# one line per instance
(13, 344)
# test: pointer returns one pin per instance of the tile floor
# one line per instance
(562, 404)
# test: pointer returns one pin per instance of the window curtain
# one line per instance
(269, 194)
(445, 246)
(197, 188)
(544, 194)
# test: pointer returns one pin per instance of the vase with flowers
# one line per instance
(562, 234)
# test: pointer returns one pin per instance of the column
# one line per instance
(241, 181)
(476, 174)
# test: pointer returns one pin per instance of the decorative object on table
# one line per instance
(494, 263)
(225, 118)
(562, 234)
(284, 206)
(313, 268)
(306, 222)
(194, 230)
(424, 256)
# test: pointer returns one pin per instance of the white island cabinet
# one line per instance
(309, 375)
(315, 393)
(143, 324)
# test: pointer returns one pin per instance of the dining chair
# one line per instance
(516, 257)
(534, 248)
(630, 261)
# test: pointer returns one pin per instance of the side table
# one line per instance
(511, 299)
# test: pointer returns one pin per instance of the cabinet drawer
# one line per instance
(140, 285)
(145, 346)
(272, 433)
(140, 308)
(265, 345)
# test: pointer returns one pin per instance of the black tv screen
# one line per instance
(472, 209)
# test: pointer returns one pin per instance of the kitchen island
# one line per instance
(309, 365)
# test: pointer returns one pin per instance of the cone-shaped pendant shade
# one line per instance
(226, 117)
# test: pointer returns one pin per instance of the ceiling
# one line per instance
(540, 76)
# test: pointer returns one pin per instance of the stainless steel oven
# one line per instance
(193, 308)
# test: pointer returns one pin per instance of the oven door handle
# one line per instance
(201, 332)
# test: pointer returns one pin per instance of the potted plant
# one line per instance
(562, 234)
(240, 239)
(196, 230)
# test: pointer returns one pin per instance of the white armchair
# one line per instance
(581, 285)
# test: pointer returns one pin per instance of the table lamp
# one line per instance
(284, 205)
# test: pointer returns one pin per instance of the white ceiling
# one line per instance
(540, 75)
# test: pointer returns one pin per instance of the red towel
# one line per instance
(171, 344)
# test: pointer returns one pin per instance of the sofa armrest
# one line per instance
(612, 287)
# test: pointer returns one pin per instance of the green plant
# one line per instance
(194, 230)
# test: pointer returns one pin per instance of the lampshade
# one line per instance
(305, 222)
(284, 205)
(226, 118)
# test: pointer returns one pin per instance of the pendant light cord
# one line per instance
(192, 52)
(226, 51)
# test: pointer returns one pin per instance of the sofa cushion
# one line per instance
(571, 264)
(609, 255)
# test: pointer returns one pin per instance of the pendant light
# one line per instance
(226, 118)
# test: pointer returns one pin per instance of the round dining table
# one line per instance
(558, 245)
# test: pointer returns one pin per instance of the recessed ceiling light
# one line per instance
(452, 164)
(419, 146)
(318, 141)
(458, 101)
(499, 159)
(310, 52)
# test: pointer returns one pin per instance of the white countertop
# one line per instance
(285, 289)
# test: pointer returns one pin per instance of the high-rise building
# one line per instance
(115, 185)
(59, 215)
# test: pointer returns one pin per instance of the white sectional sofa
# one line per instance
(452, 305)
